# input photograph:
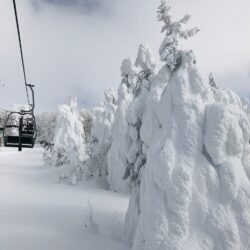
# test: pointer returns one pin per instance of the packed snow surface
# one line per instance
(38, 213)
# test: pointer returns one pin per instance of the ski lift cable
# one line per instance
(21, 51)
(26, 122)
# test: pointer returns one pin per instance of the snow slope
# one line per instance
(37, 212)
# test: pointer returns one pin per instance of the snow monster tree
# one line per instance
(116, 155)
(69, 148)
(101, 136)
(136, 155)
(194, 191)
(135, 158)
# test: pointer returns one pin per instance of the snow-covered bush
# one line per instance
(69, 147)
(101, 136)
(89, 221)
(116, 155)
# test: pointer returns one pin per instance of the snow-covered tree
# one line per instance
(145, 59)
(174, 31)
(3, 116)
(135, 159)
(245, 103)
(212, 82)
(46, 123)
(101, 136)
(195, 185)
(87, 120)
(136, 155)
(116, 155)
(128, 73)
(69, 148)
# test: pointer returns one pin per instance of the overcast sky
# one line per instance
(75, 47)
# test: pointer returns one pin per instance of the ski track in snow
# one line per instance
(38, 213)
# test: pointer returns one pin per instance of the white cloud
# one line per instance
(69, 52)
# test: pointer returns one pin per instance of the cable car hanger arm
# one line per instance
(33, 100)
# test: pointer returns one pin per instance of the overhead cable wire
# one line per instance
(21, 50)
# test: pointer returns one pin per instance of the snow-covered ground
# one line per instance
(37, 212)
